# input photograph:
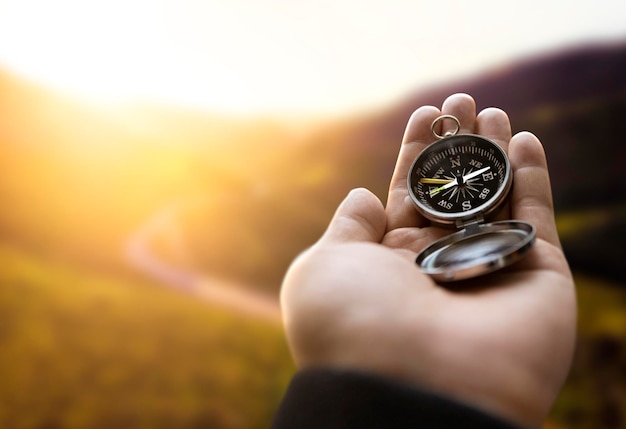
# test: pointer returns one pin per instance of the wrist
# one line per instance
(329, 397)
(496, 384)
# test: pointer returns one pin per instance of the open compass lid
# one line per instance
(476, 250)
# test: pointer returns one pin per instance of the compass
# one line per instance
(459, 181)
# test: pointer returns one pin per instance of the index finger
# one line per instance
(417, 136)
(400, 211)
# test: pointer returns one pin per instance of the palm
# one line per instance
(501, 342)
(511, 314)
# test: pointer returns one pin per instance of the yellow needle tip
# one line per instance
(429, 181)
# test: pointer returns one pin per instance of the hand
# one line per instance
(502, 343)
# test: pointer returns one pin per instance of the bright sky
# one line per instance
(248, 56)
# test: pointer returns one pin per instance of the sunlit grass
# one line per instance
(83, 349)
(573, 222)
(593, 395)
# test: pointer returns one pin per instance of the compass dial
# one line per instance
(459, 178)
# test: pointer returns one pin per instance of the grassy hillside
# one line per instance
(79, 349)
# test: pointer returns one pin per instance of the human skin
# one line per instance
(502, 343)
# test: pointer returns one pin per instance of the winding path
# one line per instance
(240, 298)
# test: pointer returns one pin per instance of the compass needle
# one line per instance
(444, 187)
(435, 181)
(474, 174)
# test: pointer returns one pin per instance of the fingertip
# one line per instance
(359, 217)
(463, 107)
(459, 98)
(527, 134)
(494, 112)
(526, 150)
(420, 111)
(362, 194)
(418, 126)
(359, 199)
(494, 124)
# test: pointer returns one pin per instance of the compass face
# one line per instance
(459, 178)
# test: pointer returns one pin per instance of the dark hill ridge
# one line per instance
(573, 100)
(593, 71)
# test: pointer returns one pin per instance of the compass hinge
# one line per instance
(470, 223)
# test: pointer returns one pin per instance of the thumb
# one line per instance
(359, 217)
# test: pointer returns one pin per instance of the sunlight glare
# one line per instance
(104, 51)
(278, 55)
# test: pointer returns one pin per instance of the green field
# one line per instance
(595, 393)
(81, 349)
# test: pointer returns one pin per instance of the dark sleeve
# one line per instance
(333, 399)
